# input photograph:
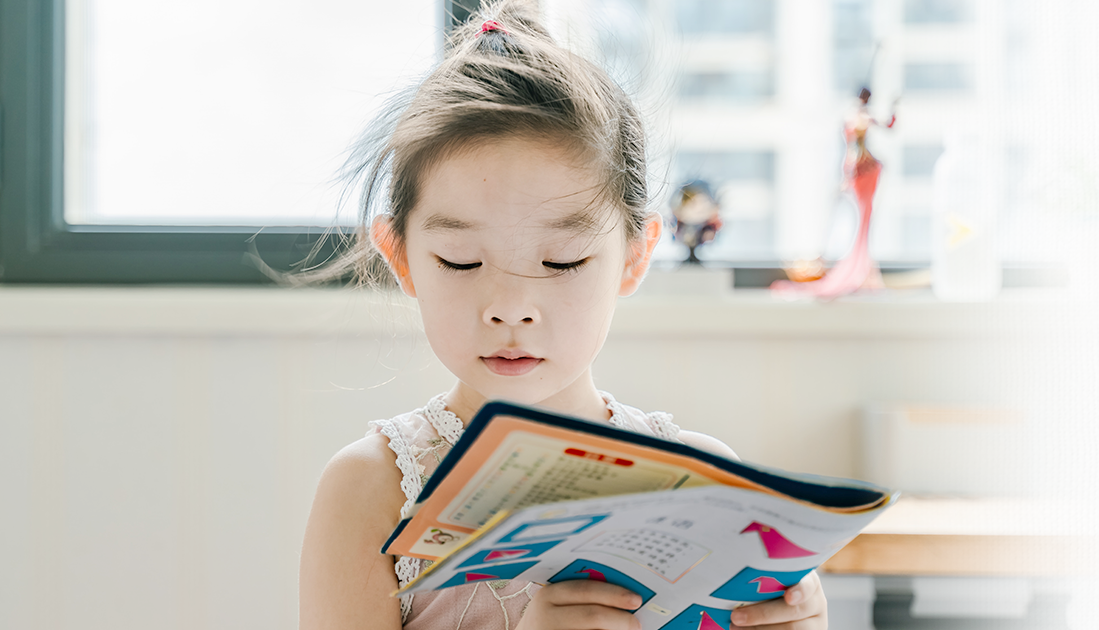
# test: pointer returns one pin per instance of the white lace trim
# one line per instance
(659, 422)
(406, 462)
(406, 568)
(619, 414)
(447, 425)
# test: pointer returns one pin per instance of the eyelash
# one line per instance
(448, 266)
(560, 268)
(569, 267)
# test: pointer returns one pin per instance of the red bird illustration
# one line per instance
(707, 623)
(594, 575)
(767, 584)
(775, 544)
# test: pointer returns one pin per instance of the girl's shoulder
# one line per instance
(661, 425)
(418, 441)
(422, 427)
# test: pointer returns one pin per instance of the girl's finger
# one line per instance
(804, 590)
(778, 611)
(594, 617)
(819, 622)
(767, 613)
(578, 592)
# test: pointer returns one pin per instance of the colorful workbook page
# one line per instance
(512, 457)
(693, 555)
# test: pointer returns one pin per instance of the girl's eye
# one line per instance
(450, 266)
(567, 266)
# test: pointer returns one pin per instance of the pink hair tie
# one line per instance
(491, 25)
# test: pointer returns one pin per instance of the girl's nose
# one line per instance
(511, 304)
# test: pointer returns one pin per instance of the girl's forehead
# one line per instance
(514, 183)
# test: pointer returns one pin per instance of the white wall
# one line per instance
(162, 478)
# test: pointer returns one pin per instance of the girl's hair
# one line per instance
(502, 80)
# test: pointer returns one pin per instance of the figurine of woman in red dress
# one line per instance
(860, 175)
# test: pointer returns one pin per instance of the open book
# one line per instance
(532, 495)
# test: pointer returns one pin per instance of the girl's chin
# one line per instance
(523, 393)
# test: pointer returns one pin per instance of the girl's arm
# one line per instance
(345, 582)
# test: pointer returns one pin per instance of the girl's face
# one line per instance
(516, 269)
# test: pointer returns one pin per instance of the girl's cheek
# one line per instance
(588, 290)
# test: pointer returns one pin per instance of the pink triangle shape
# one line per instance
(505, 553)
(708, 623)
(775, 544)
(474, 577)
(768, 584)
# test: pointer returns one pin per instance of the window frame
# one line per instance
(38, 246)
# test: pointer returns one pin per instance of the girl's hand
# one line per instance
(803, 607)
(581, 605)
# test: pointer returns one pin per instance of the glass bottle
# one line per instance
(965, 260)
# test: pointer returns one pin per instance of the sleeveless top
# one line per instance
(421, 439)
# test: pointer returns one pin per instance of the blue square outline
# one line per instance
(592, 520)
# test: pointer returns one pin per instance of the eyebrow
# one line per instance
(443, 223)
(578, 222)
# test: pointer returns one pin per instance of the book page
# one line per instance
(532, 469)
(693, 555)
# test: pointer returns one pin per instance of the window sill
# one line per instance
(269, 311)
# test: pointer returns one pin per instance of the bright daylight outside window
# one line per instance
(227, 112)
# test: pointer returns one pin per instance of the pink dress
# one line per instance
(421, 439)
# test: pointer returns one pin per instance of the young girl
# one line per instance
(516, 216)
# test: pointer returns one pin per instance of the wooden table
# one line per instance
(972, 537)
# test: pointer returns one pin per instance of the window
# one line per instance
(167, 142)
(748, 95)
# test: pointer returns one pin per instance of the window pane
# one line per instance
(919, 161)
(929, 77)
(725, 16)
(853, 37)
(227, 112)
(936, 11)
(721, 167)
(726, 86)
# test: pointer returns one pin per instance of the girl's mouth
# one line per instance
(516, 366)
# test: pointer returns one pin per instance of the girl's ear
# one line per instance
(386, 241)
(639, 254)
